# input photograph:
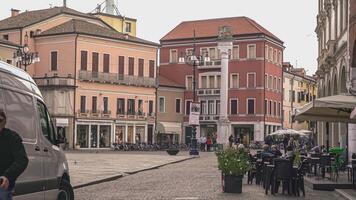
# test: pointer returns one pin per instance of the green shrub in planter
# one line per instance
(172, 152)
(233, 163)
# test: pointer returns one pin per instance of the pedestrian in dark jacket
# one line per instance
(13, 158)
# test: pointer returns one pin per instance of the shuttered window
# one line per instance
(106, 63)
(152, 69)
(140, 67)
(95, 62)
(121, 65)
(83, 60)
(54, 64)
(131, 66)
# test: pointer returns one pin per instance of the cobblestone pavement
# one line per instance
(192, 179)
(88, 167)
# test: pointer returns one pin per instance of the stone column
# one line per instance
(224, 123)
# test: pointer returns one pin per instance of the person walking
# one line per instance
(13, 159)
(231, 140)
(203, 143)
(208, 144)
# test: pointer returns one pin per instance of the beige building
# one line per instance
(99, 84)
(170, 105)
(7, 50)
(298, 90)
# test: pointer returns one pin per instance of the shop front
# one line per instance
(133, 133)
(243, 133)
(93, 135)
(169, 133)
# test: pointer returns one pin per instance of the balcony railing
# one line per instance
(216, 64)
(55, 81)
(115, 78)
(209, 117)
(209, 92)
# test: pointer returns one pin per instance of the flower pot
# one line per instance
(231, 183)
(172, 152)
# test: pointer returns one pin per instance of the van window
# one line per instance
(45, 123)
(19, 112)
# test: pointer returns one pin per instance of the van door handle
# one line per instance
(45, 149)
(37, 148)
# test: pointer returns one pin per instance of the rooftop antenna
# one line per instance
(64, 3)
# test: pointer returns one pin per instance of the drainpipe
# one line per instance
(156, 98)
(291, 102)
(75, 86)
(264, 88)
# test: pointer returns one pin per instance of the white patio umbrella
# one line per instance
(282, 132)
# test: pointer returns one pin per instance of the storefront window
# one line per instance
(140, 134)
(130, 134)
(104, 140)
(119, 134)
(83, 136)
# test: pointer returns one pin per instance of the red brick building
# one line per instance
(255, 75)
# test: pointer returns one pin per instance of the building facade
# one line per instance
(170, 112)
(99, 84)
(298, 90)
(254, 75)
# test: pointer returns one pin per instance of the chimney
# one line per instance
(64, 3)
(14, 12)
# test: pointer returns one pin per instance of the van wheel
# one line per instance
(65, 191)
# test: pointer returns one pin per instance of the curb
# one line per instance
(112, 178)
(345, 195)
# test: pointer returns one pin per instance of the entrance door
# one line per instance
(150, 134)
(188, 135)
(130, 134)
(94, 136)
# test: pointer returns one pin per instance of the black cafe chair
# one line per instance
(283, 172)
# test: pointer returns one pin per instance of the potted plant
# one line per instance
(172, 151)
(233, 163)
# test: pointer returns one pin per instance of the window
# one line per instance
(106, 104)
(140, 67)
(152, 69)
(5, 37)
(120, 106)
(82, 104)
(270, 108)
(189, 52)
(203, 82)
(275, 83)
(251, 51)
(266, 81)
(204, 52)
(251, 82)
(106, 63)
(274, 108)
(250, 106)
(150, 107)
(178, 105)
(275, 56)
(211, 107)
(54, 64)
(46, 123)
(211, 81)
(128, 27)
(234, 81)
(83, 60)
(131, 66)
(233, 107)
(266, 52)
(173, 58)
(279, 84)
(189, 83)
(217, 107)
(121, 66)
(140, 107)
(235, 52)
(270, 82)
(187, 107)
(212, 53)
(203, 110)
(161, 105)
(94, 104)
(270, 54)
(280, 57)
(218, 81)
(131, 106)
(95, 62)
(279, 109)
(266, 107)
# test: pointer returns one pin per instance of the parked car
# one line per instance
(47, 174)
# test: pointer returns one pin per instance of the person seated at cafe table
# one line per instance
(318, 149)
(276, 152)
(266, 153)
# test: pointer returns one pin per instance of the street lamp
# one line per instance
(194, 60)
(24, 57)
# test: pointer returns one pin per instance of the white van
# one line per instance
(47, 175)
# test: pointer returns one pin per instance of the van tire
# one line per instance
(65, 191)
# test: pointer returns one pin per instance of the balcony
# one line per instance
(216, 64)
(135, 116)
(114, 78)
(55, 81)
(209, 92)
(204, 118)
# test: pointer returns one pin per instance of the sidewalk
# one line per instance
(88, 168)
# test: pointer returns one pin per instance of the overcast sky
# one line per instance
(293, 21)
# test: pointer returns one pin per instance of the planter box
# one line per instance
(172, 152)
(231, 184)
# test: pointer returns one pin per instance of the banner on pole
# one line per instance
(194, 114)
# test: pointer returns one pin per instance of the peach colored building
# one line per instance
(99, 84)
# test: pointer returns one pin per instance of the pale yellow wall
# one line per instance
(6, 53)
(170, 95)
(119, 24)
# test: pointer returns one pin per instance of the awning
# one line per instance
(331, 109)
(169, 127)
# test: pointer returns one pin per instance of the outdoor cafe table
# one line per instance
(314, 161)
(268, 183)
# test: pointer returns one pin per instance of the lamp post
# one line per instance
(24, 57)
(194, 60)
